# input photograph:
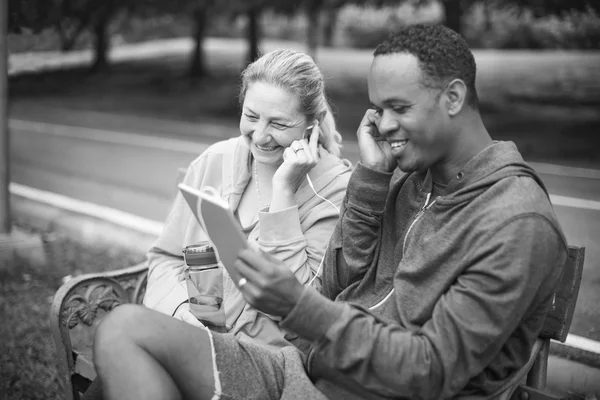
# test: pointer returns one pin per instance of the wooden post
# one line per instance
(5, 223)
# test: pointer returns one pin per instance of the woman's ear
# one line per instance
(321, 117)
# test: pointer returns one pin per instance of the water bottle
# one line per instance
(204, 279)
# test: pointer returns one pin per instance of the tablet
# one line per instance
(219, 223)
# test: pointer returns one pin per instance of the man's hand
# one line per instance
(270, 286)
(375, 152)
(184, 314)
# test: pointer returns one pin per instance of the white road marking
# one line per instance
(562, 170)
(583, 343)
(112, 137)
(575, 202)
(117, 217)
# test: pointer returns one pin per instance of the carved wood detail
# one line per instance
(90, 296)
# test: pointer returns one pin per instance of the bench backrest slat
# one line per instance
(558, 320)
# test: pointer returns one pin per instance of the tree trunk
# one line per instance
(253, 33)
(487, 15)
(198, 66)
(330, 25)
(67, 43)
(312, 28)
(101, 42)
(454, 11)
(5, 221)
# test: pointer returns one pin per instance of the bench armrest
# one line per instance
(506, 391)
(79, 301)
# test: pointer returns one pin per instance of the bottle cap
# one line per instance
(199, 254)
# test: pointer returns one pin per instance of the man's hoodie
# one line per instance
(454, 290)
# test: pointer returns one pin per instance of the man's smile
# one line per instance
(398, 144)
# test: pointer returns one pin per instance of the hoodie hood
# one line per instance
(498, 161)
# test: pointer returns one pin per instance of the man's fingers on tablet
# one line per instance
(252, 271)
(251, 293)
(256, 255)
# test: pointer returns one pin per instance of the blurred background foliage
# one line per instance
(38, 25)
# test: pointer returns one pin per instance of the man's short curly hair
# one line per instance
(443, 55)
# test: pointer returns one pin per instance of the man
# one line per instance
(436, 281)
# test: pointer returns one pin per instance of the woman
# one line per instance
(262, 175)
(284, 181)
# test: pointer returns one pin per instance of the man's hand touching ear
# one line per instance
(266, 283)
(375, 151)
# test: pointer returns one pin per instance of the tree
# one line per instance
(313, 11)
(253, 32)
(252, 10)
(554, 7)
(331, 18)
(200, 12)
(74, 18)
(30, 14)
(197, 64)
(455, 9)
(71, 18)
(5, 223)
(105, 11)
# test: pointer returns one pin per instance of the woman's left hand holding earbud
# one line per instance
(298, 160)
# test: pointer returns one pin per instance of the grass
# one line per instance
(28, 367)
(547, 102)
(27, 353)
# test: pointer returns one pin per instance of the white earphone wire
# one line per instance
(318, 195)
(317, 274)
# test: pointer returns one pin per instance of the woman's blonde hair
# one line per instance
(298, 74)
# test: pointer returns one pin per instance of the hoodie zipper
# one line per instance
(425, 207)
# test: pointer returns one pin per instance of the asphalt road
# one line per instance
(134, 168)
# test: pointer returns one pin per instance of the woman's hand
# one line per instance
(375, 151)
(298, 160)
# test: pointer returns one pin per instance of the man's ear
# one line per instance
(456, 96)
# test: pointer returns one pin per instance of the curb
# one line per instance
(89, 223)
(575, 349)
(21, 245)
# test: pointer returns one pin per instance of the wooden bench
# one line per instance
(529, 383)
(531, 379)
(81, 300)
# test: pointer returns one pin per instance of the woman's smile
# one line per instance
(266, 148)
